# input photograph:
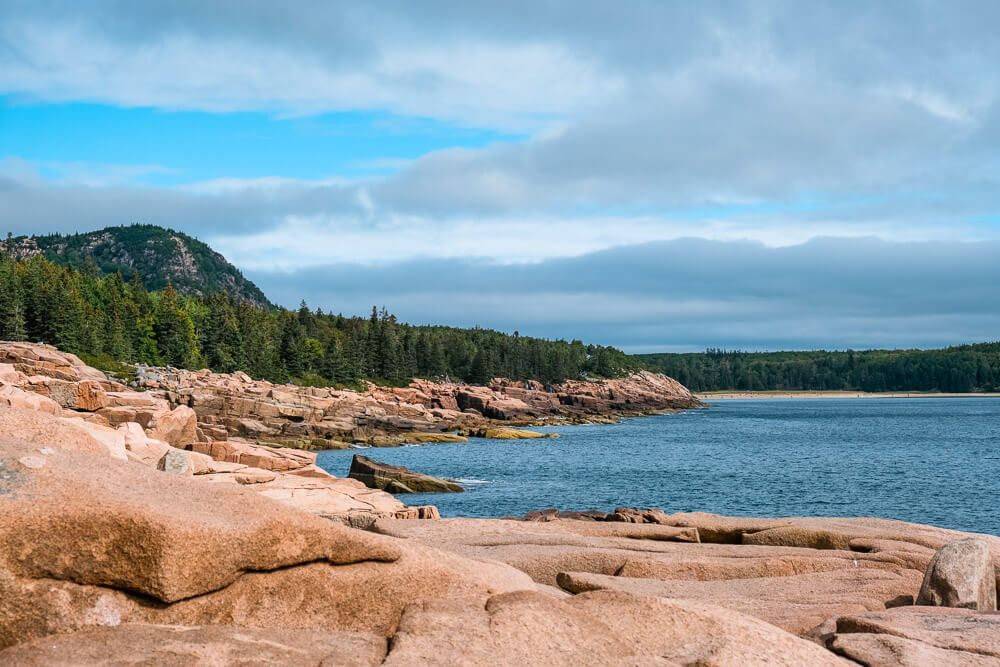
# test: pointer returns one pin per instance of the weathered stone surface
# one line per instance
(961, 574)
(397, 479)
(61, 432)
(141, 448)
(14, 397)
(911, 543)
(330, 497)
(136, 645)
(638, 550)
(942, 627)
(794, 603)
(177, 427)
(93, 520)
(888, 651)
(181, 462)
(534, 628)
(367, 596)
(257, 456)
(33, 359)
(86, 395)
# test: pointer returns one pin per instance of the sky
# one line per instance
(659, 176)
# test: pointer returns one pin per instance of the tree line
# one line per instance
(965, 368)
(105, 319)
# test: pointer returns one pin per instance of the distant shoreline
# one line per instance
(736, 395)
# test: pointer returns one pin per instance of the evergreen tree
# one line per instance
(12, 323)
(175, 335)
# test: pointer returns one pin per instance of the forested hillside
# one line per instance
(106, 318)
(156, 255)
(966, 368)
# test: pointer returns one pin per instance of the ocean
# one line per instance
(928, 460)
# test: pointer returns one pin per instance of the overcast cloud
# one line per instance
(752, 126)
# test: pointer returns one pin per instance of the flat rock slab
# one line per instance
(129, 645)
(543, 549)
(604, 627)
(941, 627)
(796, 603)
(888, 651)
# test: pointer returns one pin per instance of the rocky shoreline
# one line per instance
(134, 533)
(236, 406)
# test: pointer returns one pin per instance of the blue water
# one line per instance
(931, 461)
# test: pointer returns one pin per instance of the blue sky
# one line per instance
(171, 147)
(537, 167)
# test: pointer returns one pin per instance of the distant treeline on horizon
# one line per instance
(109, 320)
(964, 368)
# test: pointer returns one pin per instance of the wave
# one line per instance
(473, 481)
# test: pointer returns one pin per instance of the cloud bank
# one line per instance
(756, 127)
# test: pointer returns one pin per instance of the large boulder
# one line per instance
(35, 359)
(85, 395)
(92, 520)
(15, 397)
(367, 596)
(177, 427)
(961, 574)
(254, 455)
(198, 645)
(141, 448)
(397, 479)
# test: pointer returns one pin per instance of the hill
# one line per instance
(963, 368)
(95, 313)
(158, 256)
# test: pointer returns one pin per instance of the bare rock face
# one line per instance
(961, 574)
(14, 397)
(137, 645)
(397, 479)
(875, 650)
(33, 359)
(797, 585)
(62, 432)
(956, 633)
(532, 628)
(140, 447)
(96, 521)
(84, 395)
(177, 428)
(796, 603)
(257, 456)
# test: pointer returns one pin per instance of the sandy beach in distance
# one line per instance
(729, 395)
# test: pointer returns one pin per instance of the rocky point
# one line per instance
(150, 527)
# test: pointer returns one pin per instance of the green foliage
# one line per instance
(108, 318)
(965, 368)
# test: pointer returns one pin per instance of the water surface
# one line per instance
(931, 461)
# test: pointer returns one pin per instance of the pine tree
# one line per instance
(12, 324)
(175, 336)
